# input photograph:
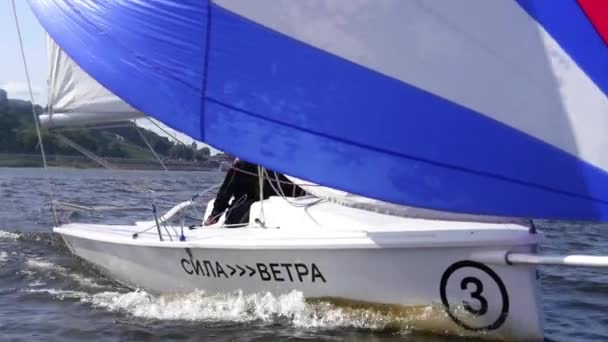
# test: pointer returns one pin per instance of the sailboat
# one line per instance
(428, 133)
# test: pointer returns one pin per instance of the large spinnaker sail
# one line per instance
(483, 107)
(75, 98)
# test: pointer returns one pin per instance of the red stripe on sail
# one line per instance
(597, 12)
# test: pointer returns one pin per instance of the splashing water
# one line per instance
(41, 265)
(291, 308)
(4, 235)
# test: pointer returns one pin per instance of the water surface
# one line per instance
(48, 294)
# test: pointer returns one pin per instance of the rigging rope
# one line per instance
(280, 192)
(262, 219)
(84, 151)
(165, 131)
(143, 137)
(36, 123)
(83, 208)
(137, 186)
(99, 127)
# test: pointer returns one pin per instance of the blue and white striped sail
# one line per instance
(471, 106)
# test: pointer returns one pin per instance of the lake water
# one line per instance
(48, 294)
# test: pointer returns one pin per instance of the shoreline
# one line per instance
(79, 162)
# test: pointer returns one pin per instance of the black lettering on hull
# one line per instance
(198, 269)
(274, 271)
(187, 269)
(301, 270)
(208, 266)
(263, 272)
(316, 273)
(287, 267)
(220, 270)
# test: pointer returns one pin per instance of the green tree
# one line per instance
(203, 154)
(17, 135)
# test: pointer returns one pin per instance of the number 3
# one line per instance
(464, 284)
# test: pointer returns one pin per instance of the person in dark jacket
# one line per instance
(241, 185)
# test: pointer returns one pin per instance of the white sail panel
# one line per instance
(515, 72)
(76, 99)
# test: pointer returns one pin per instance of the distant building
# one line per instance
(222, 157)
(3, 97)
(224, 160)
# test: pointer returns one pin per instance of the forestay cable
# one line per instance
(143, 137)
(84, 151)
(36, 123)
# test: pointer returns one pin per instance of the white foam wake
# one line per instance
(235, 307)
(4, 235)
(290, 308)
(36, 265)
(60, 294)
(3, 257)
(199, 306)
(42, 265)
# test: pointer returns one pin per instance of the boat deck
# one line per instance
(323, 225)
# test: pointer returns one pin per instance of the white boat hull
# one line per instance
(458, 269)
(502, 300)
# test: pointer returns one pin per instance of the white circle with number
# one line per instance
(474, 296)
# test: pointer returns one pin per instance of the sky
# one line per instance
(12, 74)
